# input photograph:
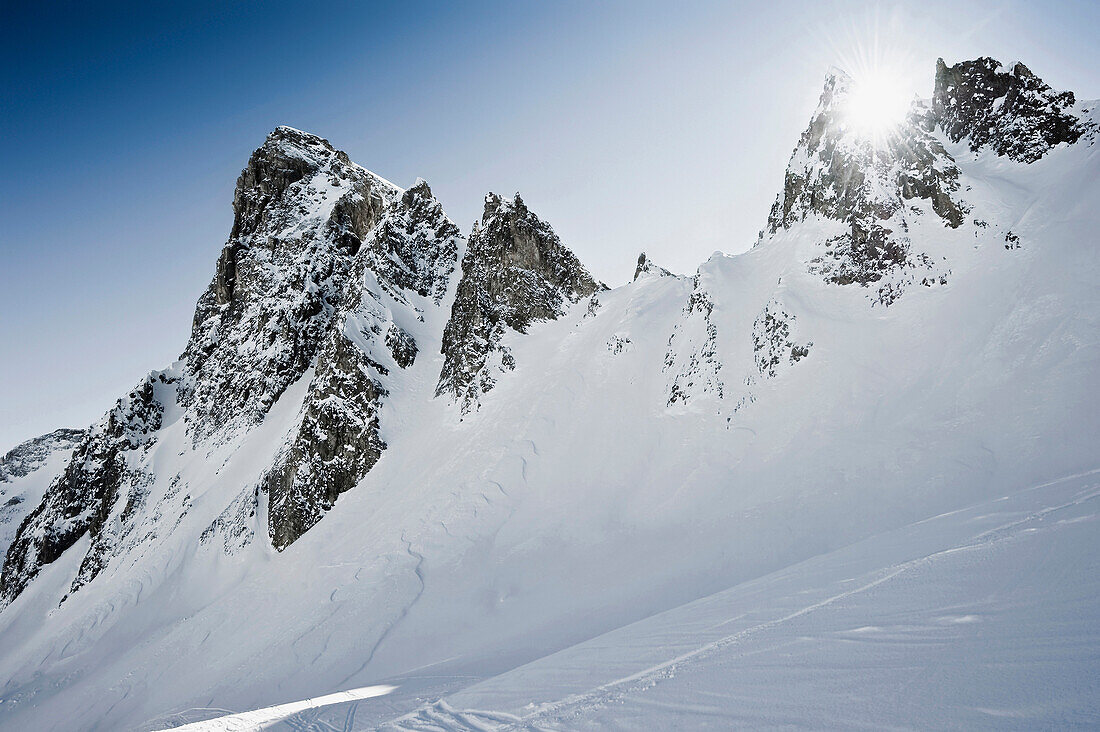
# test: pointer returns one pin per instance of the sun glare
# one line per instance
(876, 105)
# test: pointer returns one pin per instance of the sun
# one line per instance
(876, 105)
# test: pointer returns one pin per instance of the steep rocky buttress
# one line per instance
(22, 483)
(327, 267)
(405, 265)
(1011, 110)
(302, 211)
(868, 185)
(101, 485)
(516, 271)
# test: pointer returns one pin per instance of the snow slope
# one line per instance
(657, 444)
(983, 617)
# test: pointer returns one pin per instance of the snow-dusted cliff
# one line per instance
(391, 453)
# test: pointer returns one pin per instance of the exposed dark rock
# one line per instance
(692, 354)
(837, 175)
(85, 497)
(302, 211)
(516, 272)
(619, 343)
(336, 444)
(772, 345)
(29, 456)
(413, 251)
(867, 184)
(1012, 111)
(18, 496)
(647, 266)
(416, 245)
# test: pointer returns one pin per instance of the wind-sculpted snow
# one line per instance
(955, 611)
(516, 272)
(298, 508)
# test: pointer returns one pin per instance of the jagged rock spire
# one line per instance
(412, 253)
(301, 212)
(1011, 110)
(415, 247)
(516, 271)
(835, 173)
(647, 266)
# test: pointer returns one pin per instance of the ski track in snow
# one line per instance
(442, 717)
(296, 715)
(418, 571)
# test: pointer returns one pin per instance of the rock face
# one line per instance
(416, 246)
(692, 358)
(100, 486)
(771, 340)
(1011, 110)
(302, 211)
(646, 266)
(410, 256)
(29, 456)
(516, 271)
(327, 267)
(25, 473)
(868, 185)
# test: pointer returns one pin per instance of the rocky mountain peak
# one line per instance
(871, 186)
(647, 266)
(878, 188)
(327, 266)
(415, 247)
(20, 490)
(301, 213)
(404, 267)
(25, 458)
(1010, 109)
(516, 271)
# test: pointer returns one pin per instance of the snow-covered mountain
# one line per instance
(461, 466)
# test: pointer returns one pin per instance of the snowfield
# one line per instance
(979, 618)
(748, 498)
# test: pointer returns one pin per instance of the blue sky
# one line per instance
(629, 126)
